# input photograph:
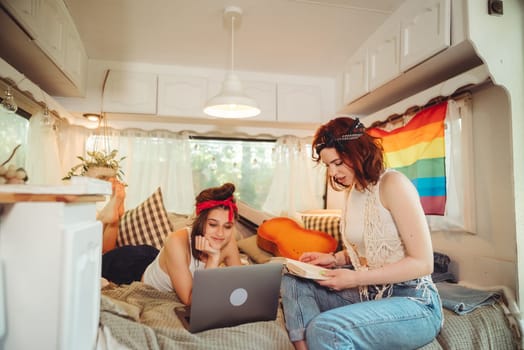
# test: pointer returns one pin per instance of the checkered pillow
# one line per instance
(147, 224)
(325, 223)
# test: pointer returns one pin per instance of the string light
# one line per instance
(8, 103)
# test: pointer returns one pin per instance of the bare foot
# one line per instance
(114, 209)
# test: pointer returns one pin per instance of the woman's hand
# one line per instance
(339, 279)
(202, 244)
(319, 259)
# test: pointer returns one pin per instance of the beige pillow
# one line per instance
(146, 224)
(324, 220)
(179, 221)
(249, 247)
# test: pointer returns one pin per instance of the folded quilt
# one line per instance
(463, 300)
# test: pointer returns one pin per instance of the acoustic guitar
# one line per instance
(283, 236)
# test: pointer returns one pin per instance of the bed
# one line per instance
(136, 316)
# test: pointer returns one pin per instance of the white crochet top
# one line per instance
(369, 233)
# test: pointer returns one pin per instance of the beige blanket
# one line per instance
(140, 317)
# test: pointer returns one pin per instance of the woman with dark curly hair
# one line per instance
(208, 243)
(378, 292)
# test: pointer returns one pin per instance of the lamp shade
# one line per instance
(232, 102)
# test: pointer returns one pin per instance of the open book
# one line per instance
(301, 269)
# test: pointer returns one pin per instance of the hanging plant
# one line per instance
(99, 165)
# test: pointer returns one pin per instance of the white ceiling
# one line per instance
(299, 37)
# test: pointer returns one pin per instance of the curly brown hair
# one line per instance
(358, 150)
(214, 193)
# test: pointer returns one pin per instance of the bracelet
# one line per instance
(334, 256)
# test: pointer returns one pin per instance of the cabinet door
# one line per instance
(299, 103)
(28, 306)
(425, 30)
(26, 13)
(51, 37)
(356, 75)
(130, 92)
(58, 299)
(75, 60)
(81, 249)
(182, 96)
(384, 54)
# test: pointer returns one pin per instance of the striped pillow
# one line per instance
(325, 223)
(147, 224)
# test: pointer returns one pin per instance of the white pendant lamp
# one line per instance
(232, 102)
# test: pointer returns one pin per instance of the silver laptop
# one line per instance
(229, 296)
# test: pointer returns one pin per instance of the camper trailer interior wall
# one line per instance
(303, 62)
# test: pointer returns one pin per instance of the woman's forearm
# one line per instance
(403, 270)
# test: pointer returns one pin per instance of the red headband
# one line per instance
(212, 204)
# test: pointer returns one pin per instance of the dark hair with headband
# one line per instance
(210, 198)
(358, 150)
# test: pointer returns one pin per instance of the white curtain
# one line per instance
(460, 201)
(163, 158)
(42, 160)
(152, 159)
(72, 140)
(298, 182)
(158, 158)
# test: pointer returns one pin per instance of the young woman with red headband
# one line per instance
(208, 243)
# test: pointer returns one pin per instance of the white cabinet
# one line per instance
(425, 30)
(384, 54)
(51, 258)
(181, 95)
(75, 61)
(356, 75)
(26, 12)
(75, 57)
(52, 29)
(130, 92)
(299, 103)
(417, 30)
(81, 289)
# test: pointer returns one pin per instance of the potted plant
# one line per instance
(98, 164)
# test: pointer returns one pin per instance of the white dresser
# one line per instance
(50, 256)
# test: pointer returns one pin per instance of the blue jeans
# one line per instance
(410, 318)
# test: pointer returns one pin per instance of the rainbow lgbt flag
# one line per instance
(417, 150)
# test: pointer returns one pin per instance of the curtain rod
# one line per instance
(230, 138)
(461, 94)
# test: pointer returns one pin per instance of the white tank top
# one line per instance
(159, 279)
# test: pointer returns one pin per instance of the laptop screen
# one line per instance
(229, 296)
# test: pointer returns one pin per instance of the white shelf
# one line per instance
(78, 186)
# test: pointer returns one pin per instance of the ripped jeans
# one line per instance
(408, 319)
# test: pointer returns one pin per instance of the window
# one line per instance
(246, 163)
(13, 132)
(280, 173)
